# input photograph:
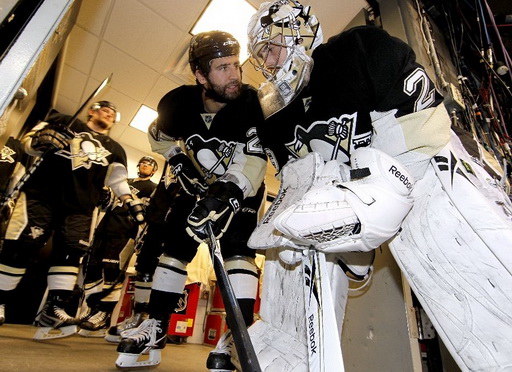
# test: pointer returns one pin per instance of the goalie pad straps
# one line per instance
(353, 216)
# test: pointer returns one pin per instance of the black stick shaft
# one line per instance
(246, 354)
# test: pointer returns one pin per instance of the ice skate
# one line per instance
(114, 332)
(2, 314)
(219, 359)
(96, 324)
(142, 346)
(54, 322)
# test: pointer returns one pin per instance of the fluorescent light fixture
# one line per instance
(227, 15)
(143, 118)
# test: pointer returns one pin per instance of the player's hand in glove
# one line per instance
(107, 197)
(188, 176)
(136, 209)
(52, 136)
(218, 207)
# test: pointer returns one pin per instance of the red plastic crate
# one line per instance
(182, 322)
(215, 326)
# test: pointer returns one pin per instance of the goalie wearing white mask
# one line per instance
(350, 126)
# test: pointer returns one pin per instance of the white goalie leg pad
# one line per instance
(297, 177)
(358, 215)
(280, 337)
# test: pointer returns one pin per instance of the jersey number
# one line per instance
(419, 80)
(253, 143)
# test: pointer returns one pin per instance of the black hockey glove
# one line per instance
(107, 197)
(52, 136)
(136, 209)
(218, 207)
(188, 176)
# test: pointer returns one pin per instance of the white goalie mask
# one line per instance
(282, 36)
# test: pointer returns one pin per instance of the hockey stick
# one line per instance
(246, 354)
(6, 199)
(323, 337)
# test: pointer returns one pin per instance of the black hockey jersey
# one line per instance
(355, 73)
(218, 143)
(117, 221)
(72, 178)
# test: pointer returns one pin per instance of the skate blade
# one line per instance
(115, 339)
(125, 360)
(100, 333)
(49, 333)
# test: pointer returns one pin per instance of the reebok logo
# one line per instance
(401, 177)
(275, 205)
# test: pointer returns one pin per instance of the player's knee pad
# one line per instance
(353, 216)
(170, 274)
(243, 275)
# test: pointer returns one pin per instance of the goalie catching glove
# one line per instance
(188, 176)
(52, 136)
(218, 207)
(358, 215)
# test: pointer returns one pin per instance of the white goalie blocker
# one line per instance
(455, 249)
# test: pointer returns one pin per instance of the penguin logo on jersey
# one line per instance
(332, 138)
(6, 155)
(85, 151)
(214, 156)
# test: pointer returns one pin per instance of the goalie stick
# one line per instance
(9, 197)
(323, 336)
(245, 350)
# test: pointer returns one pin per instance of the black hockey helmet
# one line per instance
(209, 45)
(97, 105)
(150, 160)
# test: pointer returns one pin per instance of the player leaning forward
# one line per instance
(59, 198)
(367, 103)
(207, 134)
(368, 111)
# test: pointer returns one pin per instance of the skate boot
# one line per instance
(2, 314)
(139, 315)
(96, 324)
(54, 322)
(219, 359)
(147, 339)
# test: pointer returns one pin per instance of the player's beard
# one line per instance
(144, 174)
(224, 93)
(103, 124)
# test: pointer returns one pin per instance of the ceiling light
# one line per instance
(143, 118)
(227, 15)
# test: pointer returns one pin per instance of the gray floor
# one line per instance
(19, 353)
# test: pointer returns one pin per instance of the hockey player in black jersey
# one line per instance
(111, 251)
(148, 247)
(207, 133)
(362, 105)
(58, 200)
